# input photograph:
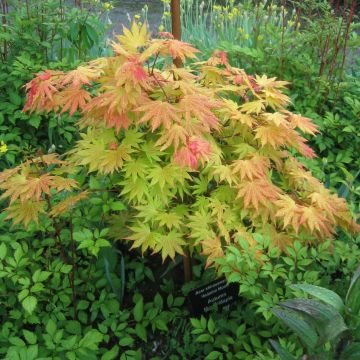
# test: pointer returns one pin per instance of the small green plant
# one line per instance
(327, 327)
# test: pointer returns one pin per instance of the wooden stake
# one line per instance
(176, 25)
(176, 31)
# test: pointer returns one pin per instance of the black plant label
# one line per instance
(216, 295)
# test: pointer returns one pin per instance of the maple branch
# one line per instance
(161, 87)
(57, 231)
(72, 283)
(155, 60)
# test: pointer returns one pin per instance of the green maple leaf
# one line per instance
(169, 244)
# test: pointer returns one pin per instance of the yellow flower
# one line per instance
(137, 16)
(246, 36)
(107, 6)
(161, 27)
(167, 14)
(3, 147)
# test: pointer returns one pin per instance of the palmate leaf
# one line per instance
(253, 107)
(67, 204)
(25, 212)
(178, 49)
(143, 237)
(169, 220)
(212, 249)
(273, 135)
(159, 113)
(255, 167)
(200, 107)
(72, 99)
(169, 244)
(257, 192)
(137, 191)
(100, 150)
(136, 37)
(175, 136)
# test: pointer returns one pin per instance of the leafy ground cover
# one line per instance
(91, 239)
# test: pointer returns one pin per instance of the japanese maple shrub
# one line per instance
(203, 154)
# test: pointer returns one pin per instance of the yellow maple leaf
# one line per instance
(134, 38)
(212, 249)
(255, 167)
(253, 107)
(25, 212)
(65, 205)
(169, 244)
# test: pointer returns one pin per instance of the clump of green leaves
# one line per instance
(321, 324)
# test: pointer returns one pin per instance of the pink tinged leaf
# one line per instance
(165, 35)
(195, 150)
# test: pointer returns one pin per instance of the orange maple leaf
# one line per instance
(178, 49)
(273, 135)
(200, 107)
(81, 76)
(159, 113)
(255, 167)
(72, 99)
(258, 191)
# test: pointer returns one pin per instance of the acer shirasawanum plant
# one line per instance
(203, 154)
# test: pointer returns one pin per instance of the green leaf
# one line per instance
(51, 327)
(284, 354)
(73, 327)
(139, 310)
(91, 339)
(325, 295)
(30, 337)
(351, 352)
(117, 206)
(214, 355)
(29, 304)
(14, 340)
(161, 325)
(3, 251)
(126, 341)
(204, 338)
(211, 326)
(15, 98)
(35, 121)
(111, 354)
(353, 295)
(324, 317)
(141, 332)
(32, 352)
(302, 328)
